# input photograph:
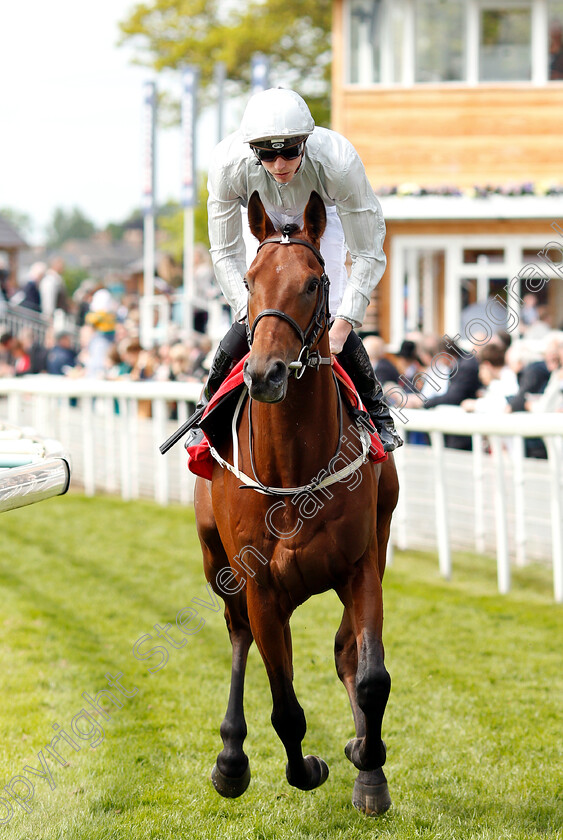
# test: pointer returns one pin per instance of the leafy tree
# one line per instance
(68, 224)
(171, 219)
(295, 37)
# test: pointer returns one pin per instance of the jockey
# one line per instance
(279, 152)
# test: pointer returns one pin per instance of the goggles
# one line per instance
(287, 153)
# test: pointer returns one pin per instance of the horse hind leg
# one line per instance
(371, 793)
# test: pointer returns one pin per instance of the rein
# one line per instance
(324, 478)
(319, 320)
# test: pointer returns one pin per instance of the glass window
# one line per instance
(505, 40)
(396, 14)
(365, 40)
(555, 40)
(480, 255)
(440, 37)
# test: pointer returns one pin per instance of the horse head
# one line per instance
(287, 297)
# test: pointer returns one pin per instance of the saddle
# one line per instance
(218, 417)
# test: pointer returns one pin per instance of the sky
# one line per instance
(71, 114)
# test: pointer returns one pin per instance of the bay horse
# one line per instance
(262, 553)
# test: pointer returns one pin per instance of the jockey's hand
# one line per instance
(338, 334)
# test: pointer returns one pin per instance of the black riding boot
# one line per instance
(355, 361)
(232, 347)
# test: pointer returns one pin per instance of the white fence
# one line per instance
(494, 502)
(15, 319)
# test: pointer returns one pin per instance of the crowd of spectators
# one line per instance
(501, 372)
(497, 373)
(100, 338)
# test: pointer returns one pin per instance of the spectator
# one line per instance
(532, 374)
(62, 357)
(463, 384)
(497, 385)
(101, 319)
(408, 361)
(552, 397)
(6, 358)
(21, 359)
(52, 289)
(384, 369)
(541, 328)
(82, 299)
(4, 278)
(529, 311)
(29, 296)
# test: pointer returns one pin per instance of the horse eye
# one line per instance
(313, 286)
(245, 285)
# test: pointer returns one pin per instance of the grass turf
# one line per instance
(474, 725)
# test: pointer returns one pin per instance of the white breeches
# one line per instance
(333, 248)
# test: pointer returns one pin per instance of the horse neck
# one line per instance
(295, 439)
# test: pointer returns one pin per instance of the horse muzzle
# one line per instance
(266, 383)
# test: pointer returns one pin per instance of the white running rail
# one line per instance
(491, 500)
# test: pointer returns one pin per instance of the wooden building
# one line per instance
(456, 109)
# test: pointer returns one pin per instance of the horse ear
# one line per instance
(314, 218)
(259, 222)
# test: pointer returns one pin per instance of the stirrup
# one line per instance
(194, 438)
(390, 438)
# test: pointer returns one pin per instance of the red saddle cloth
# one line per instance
(219, 413)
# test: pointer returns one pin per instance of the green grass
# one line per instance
(474, 725)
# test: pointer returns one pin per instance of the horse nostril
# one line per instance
(277, 373)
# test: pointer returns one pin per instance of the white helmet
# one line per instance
(276, 114)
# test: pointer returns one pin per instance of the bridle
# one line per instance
(308, 357)
(319, 320)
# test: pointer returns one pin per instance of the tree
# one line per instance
(68, 224)
(295, 37)
(171, 220)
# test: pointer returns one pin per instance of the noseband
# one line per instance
(319, 319)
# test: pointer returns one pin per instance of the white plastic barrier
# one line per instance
(489, 502)
(32, 468)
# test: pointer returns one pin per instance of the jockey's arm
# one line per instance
(364, 232)
(227, 249)
(339, 332)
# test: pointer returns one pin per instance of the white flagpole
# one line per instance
(149, 180)
(189, 189)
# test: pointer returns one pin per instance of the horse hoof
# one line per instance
(230, 786)
(317, 771)
(371, 800)
(352, 752)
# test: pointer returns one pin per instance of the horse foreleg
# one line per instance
(360, 665)
(273, 638)
(231, 774)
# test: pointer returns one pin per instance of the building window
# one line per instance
(555, 29)
(365, 34)
(439, 41)
(454, 41)
(376, 41)
(505, 38)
